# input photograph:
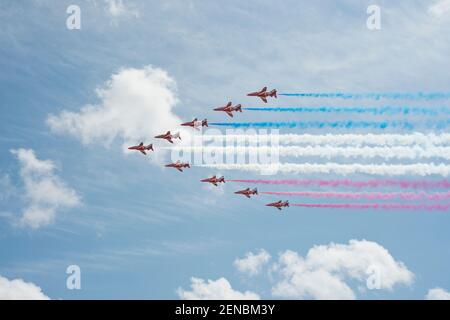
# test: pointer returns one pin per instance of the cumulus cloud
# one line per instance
(219, 289)
(439, 8)
(252, 263)
(437, 294)
(17, 289)
(44, 191)
(324, 270)
(135, 105)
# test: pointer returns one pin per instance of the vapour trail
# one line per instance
(390, 110)
(420, 169)
(383, 139)
(337, 183)
(381, 125)
(373, 95)
(411, 196)
(326, 151)
(375, 206)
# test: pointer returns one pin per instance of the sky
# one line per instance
(72, 100)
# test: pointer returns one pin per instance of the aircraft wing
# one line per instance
(247, 195)
(214, 183)
(179, 169)
(229, 113)
(169, 139)
(264, 99)
(143, 152)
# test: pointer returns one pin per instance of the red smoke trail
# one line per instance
(366, 195)
(375, 206)
(404, 184)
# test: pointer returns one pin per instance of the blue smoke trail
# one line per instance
(373, 95)
(335, 124)
(405, 110)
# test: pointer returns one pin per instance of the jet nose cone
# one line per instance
(216, 109)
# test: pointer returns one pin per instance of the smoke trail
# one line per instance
(420, 169)
(342, 139)
(381, 125)
(375, 206)
(411, 196)
(411, 153)
(324, 124)
(403, 184)
(391, 110)
(373, 95)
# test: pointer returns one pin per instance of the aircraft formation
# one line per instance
(263, 94)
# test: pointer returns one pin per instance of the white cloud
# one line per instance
(437, 294)
(322, 273)
(44, 191)
(7, 189)
(117, 8)
(253, 263)
(17, 289)
(136, 104)
(439, 8)
(214, 290)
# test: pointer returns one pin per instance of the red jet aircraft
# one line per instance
(247, 192)
(214, 180)
(263, 94)
(280, 204)
(229, 109)
(168, 136)
(178, 165)
(142, 148)
(196, 123)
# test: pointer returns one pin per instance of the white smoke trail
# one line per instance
(410, 153)
(342, 139)
(420, 169)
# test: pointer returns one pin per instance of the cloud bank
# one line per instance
(17, 289)
(326, 272)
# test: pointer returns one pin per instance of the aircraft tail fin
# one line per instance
(150, 147)
(255, 191)
(238, 108)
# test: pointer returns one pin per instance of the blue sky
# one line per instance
(140, 231)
